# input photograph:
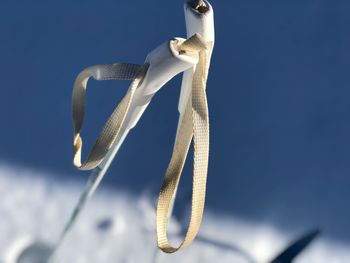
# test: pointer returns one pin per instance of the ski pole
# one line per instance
(162, 65)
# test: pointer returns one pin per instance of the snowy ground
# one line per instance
(117, 227)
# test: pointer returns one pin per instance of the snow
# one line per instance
(119, 227)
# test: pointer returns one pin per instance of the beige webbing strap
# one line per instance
(113, 125)
(195, 123)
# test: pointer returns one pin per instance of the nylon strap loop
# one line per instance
(114, 123)
(194, 124)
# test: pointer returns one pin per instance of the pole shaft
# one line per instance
(94, 181)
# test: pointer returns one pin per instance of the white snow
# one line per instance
(117, 227)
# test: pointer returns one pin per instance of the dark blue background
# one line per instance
(278, 94)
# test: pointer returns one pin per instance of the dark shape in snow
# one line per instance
(104, 224)
(37, 252)
(289, 254)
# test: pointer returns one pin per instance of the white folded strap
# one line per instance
(161, 65)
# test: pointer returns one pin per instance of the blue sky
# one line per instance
(278, 94)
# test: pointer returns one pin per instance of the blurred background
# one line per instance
(278, 94)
